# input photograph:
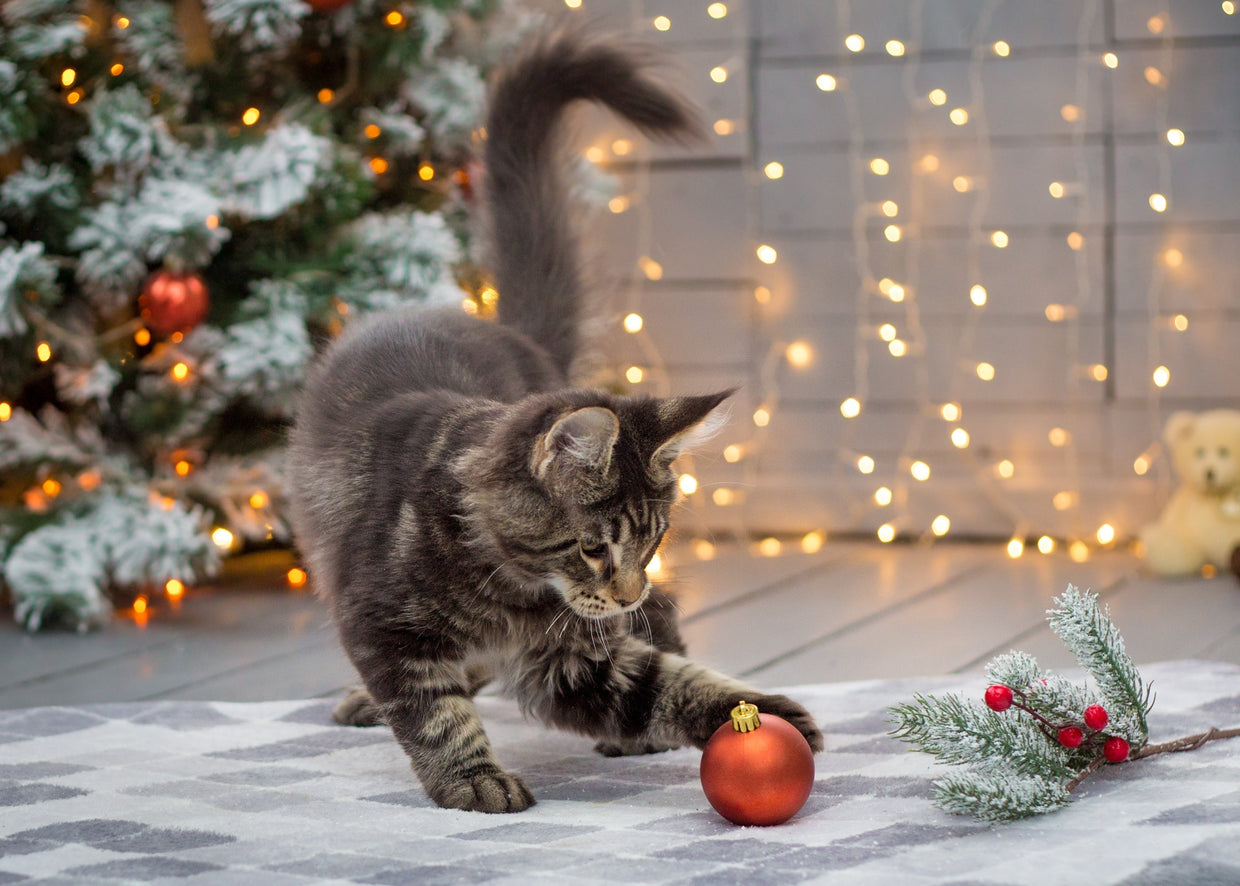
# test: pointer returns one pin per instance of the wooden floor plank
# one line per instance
(945, 632)
(851, 611)
(316, 670)
(1161, 621)
(742, 639)
(734, 573)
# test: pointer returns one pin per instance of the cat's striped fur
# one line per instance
(467, 512)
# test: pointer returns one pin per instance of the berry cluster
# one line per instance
(1095, 718)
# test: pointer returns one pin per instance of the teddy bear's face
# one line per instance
(1206, 450)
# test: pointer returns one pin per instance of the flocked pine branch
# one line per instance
(1035, 736)
(296, 167)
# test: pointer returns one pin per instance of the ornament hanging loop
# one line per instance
(745, 717)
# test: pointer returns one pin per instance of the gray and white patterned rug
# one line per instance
(272, 793)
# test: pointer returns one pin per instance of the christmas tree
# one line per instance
(194, 195)
(1034, 736)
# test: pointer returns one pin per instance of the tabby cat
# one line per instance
(467, 512)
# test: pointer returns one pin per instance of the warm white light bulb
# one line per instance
(894, 48)
(717, 10)
(1046, 544)
(977, 294)
(826, 82)
(662, 23)
(920, 471)
(633, 323)
(1106, 534)
(719, 74)
(879, 166)
(854, 42)
(1002, 48)
(985, 371)
(887, 332)
(767, 254)
(959, 116)
(1175, 137)
(865, 464)
(893, 233)
(940, 525)
(938, 98)
(850, 408)
(886, 533)
(882, 496)
(950, 412)
(773, 170)
(1015, 548)
(688, 484)
(1158, 202)
(1162, 376)
(960, 438)
(799, 354)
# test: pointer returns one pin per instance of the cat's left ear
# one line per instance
(685, 423)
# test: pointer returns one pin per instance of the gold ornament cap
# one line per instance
(745, 717)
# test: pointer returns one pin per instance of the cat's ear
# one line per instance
(686, 423)
(584, 438)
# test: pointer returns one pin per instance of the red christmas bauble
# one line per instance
(998, 697)
(1095, 717)
(173, 302)
(327, 5)
(1115, 749)
(1071, 737)
(760, 776)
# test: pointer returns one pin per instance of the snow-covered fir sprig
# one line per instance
(1034, 736)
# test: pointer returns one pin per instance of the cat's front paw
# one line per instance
(782, 706)
(486, 792)
(631, 747)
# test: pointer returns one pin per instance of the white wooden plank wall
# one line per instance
(700, 213)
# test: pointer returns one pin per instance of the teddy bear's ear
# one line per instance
(1179, 426)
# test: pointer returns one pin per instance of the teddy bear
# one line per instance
(1201, 523)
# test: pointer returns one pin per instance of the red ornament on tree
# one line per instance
(1115, 749)
(327, 5)
(1071, 737)
(757, 770)
(173, 302)
(998, 697)
(1095, 717)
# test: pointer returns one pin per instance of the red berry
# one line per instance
(998, 698)
(1115, 749)
(1071, 737)
(1096, 717)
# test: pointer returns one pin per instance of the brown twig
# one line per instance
(1187, 743)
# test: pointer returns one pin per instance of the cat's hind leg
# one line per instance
(357, 708)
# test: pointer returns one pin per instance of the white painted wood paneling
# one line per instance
(1089, 281)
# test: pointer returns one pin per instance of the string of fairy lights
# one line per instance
(906, 337)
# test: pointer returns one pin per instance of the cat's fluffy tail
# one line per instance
(536, 253)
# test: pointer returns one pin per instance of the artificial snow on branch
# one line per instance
(1034, 736)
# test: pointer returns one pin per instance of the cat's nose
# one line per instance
(628, 589)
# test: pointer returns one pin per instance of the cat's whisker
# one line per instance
(565, 609)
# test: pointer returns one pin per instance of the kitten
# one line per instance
(462, 507)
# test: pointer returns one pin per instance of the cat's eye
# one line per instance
(594, 551)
